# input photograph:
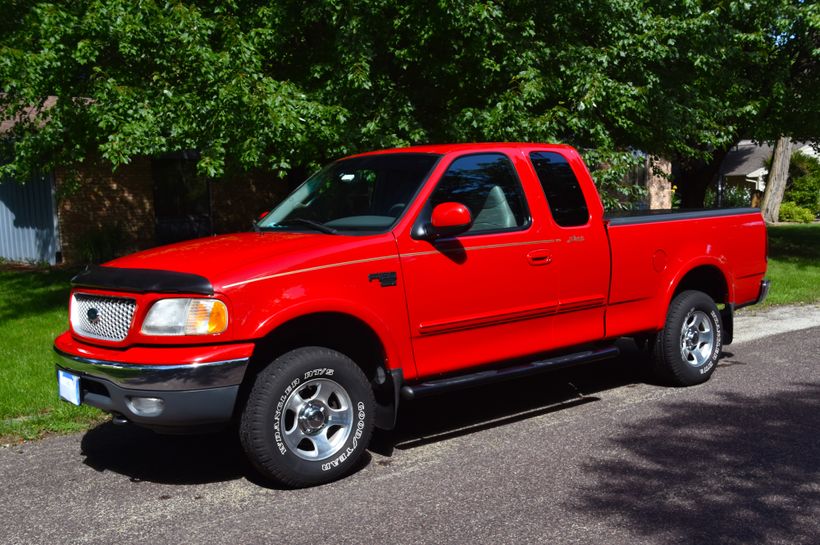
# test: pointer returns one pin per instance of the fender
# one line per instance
(396, 358)
(720, 263)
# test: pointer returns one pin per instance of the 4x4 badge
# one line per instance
(386, 279)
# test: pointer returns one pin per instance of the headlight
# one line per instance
(186, 317)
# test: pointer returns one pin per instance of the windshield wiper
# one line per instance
(315, 224)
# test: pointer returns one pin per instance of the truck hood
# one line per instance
(229, 259)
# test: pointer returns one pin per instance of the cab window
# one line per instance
(488, 185)
(561, 188)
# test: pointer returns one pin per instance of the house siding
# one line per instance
(28, 231)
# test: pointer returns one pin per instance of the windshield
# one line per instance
(365, 194)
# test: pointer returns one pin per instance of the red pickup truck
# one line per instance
(394, 275)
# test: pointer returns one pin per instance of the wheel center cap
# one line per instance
(312, 417)
(692, 337)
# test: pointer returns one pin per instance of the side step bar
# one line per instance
(430, 387)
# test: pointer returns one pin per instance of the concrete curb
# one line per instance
(757, 323)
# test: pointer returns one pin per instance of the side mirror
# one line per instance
(450, 219)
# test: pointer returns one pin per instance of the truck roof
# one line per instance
(472, 146)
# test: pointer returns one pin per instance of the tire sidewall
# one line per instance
(682, 306)
(291, 371)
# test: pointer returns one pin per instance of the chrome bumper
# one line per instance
(194, 376)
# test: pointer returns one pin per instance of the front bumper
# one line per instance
(194, 396)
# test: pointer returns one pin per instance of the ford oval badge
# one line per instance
(93, 315)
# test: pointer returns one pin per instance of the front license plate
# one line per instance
(69, 386)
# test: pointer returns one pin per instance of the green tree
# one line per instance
(289, 84)
(804, 182)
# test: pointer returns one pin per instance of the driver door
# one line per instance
(489, 293)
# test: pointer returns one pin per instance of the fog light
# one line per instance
(145, 406)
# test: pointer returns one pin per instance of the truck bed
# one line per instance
(651, 250)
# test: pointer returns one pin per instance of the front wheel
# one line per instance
(687, 349)
(308, 418)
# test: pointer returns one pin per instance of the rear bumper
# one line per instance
(762, 293)
(193, 396)
(728, 313)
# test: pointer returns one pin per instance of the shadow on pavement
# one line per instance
(743, 469)
(467, 411)
(143, 455)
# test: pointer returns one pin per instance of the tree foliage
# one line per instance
(804, 182)
(256, 84)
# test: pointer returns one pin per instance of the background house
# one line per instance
(93, 214)
(746, 164)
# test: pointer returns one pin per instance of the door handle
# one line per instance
(539, 257)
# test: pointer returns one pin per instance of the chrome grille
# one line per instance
(101, 317)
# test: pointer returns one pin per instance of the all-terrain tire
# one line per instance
(308, 418)
(686, 350)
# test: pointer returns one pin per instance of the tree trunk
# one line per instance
(658, 183)
(778, 176)
(695, 178)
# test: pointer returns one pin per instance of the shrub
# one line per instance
(733, 197)
(790, 211)
(804, 182)
(616, 174)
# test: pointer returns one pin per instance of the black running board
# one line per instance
(430, 387)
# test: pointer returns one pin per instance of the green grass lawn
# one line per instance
(34, 305)
(33, 311)
(794, 264)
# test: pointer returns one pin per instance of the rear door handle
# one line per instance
(539, 257)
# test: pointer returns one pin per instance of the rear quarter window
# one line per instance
(561, 188)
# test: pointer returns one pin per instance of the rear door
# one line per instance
(582, 253)
(487, 294)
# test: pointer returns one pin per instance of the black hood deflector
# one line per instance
(142, 281)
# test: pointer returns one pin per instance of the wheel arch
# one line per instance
(340, 331)
(708, 276)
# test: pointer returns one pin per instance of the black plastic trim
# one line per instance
(184, 409)
(430, 387)
(727, 318)
(654, 216)
(142, 281)
(387, 413)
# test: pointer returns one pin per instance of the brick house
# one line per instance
(93, 214)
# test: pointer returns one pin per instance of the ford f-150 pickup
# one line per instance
(393, 275)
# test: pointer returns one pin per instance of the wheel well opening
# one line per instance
(340, 332)
(707, 279)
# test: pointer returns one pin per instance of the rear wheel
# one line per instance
(308, 418)
(687, 349)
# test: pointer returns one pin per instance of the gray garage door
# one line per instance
(28, 224)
